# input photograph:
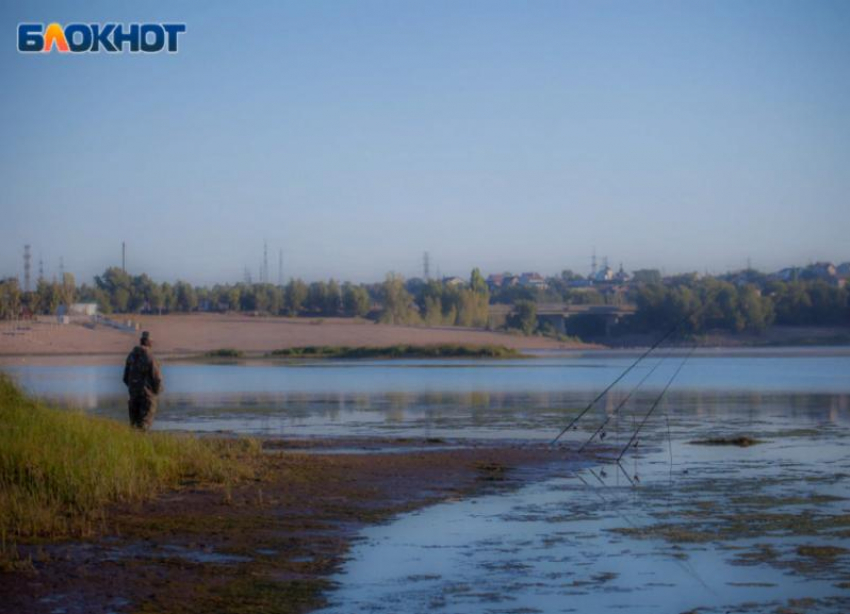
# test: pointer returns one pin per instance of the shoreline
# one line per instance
(261, 358)
(272, 542)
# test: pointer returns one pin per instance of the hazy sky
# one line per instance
(356, 135)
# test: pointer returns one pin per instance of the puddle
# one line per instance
(170, 551)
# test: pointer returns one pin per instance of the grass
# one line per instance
(448, 350)
(60, 469)
(224, 353)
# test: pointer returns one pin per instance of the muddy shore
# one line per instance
(265, 545)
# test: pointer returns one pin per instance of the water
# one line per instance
(519, 399)
(559, 545)
(675, 526)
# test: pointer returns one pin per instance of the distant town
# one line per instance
(604, 304)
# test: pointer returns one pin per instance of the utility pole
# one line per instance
(426, 266)
(27, 268)
(280, 267)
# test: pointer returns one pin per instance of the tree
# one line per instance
(474, 308)
(333, 299)
(232, 297)
(67, 289)
(10, 299)
(47, 297)
(355, 300)
(169, 297)
(116, 284)
(647, 276)
(477, 282)
(317, 297)
(155, 298)
(430, 301)
(295, 295)
(397, 302)
(568, 275)
(523, 317)
(756, 309)
(186, 298)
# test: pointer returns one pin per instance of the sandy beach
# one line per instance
(47, 342)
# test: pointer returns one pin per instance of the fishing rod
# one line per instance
(626, 372)
(656, 403)
(686, 567)
(621, 404)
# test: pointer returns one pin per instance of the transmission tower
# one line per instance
(264, 272)
(280, 267)
(123, 257)
(426, 266)
(593, 263)
(40, 268)
(27, 268)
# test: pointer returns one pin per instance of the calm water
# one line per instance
(674, 527)
(518, 399)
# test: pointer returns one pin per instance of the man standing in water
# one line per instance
(144, 381)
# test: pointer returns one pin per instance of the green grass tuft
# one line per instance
(224, 353)
(447, 350)
(59, 469)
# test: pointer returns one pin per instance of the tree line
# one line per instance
(718, 304)
(712, 304)
(393, 301)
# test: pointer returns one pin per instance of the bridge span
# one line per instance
(556, 315)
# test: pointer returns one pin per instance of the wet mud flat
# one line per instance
(266, 545)
(678, 526)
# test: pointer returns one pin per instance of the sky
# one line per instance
(355, 136)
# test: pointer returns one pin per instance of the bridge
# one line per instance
(557, 314)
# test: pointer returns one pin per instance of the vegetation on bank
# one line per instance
(60, 469)
(224, 353)
(448, 350)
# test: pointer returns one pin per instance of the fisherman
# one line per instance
(144, 382)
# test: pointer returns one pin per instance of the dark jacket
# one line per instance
(141, 372)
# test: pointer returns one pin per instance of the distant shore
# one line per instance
(190, 337)
(174, 336)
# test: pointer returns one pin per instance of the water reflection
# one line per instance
(505, 399)
(708, 529)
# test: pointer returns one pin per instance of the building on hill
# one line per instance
(533, 280)
(824, 271)
(605, 274)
